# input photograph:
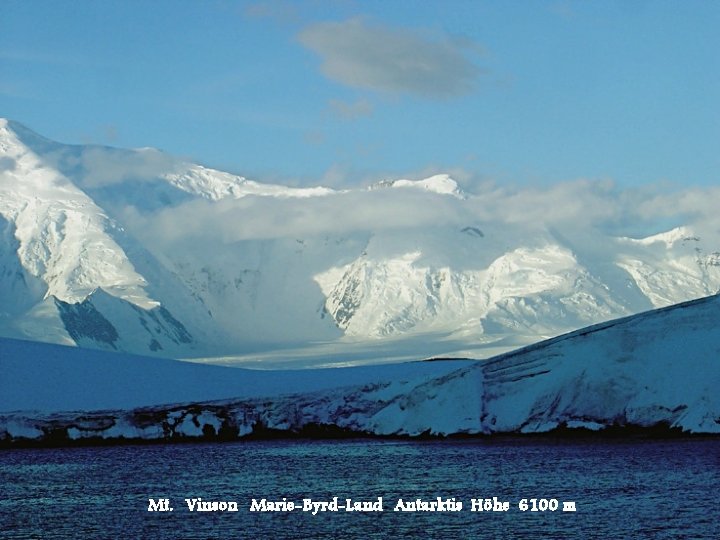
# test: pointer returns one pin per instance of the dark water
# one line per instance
(657, 489)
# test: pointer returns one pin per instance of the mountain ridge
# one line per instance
(232, 261)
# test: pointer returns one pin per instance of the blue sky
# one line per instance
(348, 91)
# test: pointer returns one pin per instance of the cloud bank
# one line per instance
(359, 54)
(571, 208)
(102, 166)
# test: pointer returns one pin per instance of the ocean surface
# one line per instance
(620, 489)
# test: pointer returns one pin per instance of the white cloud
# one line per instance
(693, 205)
(363, 55)
(106, 166)
(581, 201)
(575, 209)
(7, 164)
(602, 205)
(267, 217)
(98, 166)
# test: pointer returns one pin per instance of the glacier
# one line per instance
(656, 370)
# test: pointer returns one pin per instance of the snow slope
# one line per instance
(67, 269)
(659, 368)
(50, 378)
(62, 236)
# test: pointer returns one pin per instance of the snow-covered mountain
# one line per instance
(138, 251)
(658, 369)
(69, 272)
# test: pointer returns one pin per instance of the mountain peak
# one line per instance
(441, 184)
(669, 238)
(13, 133)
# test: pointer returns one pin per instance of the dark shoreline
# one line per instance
(316, 432)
